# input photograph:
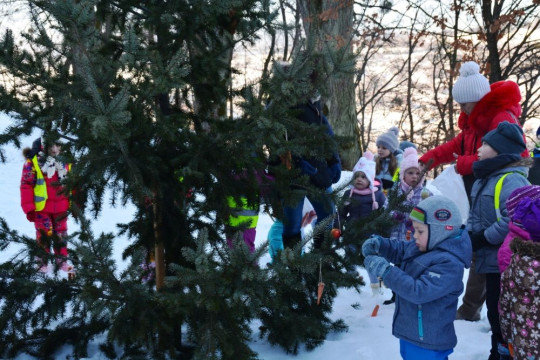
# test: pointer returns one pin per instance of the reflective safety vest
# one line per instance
(497, 193)
(242, 214)
(396, 175)
(40, 189)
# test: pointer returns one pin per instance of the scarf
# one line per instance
(483, 168)
(51, 166)
(366, 191)
(405, 188)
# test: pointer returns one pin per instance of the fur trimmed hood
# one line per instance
(525, 247)
(504, 95)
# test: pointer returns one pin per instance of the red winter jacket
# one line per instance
(493, 108)
(57, 201)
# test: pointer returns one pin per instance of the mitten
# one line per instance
(307, 168)
(31, 216)
(371, 246)
(377, 265)
(478, 240)
(335, 170)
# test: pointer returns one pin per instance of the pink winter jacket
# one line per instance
(57, 201)
(505, 253)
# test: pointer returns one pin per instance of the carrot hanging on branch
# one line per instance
(320, 287)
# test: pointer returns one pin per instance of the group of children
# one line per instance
(424, 258)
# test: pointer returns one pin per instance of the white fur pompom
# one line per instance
(469, 68)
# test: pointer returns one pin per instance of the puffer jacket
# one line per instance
(57, 201)
(519, 303)
(500, 104)
(399, 231)
(482, 215)
(427, 287)
(504, 255)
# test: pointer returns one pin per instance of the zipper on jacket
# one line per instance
(420, 326)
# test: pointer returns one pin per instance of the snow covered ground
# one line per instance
(368, 338)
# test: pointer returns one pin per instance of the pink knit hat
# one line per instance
(410, 160)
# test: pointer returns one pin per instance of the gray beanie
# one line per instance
(471, 86)
(389, 139)
(507, 138)
(442, 217)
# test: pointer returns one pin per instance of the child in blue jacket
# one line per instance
(428, 280)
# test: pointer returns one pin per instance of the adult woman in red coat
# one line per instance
(483, 107)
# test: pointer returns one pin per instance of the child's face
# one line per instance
(54, 150)
(360, 181)
(486, 152)
(411, 176)
(421, 235)
(382, 151)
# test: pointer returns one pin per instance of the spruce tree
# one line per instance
(139, 89)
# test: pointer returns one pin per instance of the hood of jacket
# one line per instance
(504, 95)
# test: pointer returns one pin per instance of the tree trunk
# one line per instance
(332, 24)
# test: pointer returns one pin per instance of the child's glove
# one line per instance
(377, 265)
(31, 216)
(307, 168)
(335, 170)
(371, 246)
(478, 240)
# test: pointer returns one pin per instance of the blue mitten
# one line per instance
(377, 265)
(307, 168)
(371, 246)
(335, 170)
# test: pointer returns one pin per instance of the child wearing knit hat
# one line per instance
(360, 200)
(520, 295)
(409, 183)
(499, 171)
(428, 280)
(523, 208)
(388, 157)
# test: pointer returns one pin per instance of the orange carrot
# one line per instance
(375, 311)
(319, 292)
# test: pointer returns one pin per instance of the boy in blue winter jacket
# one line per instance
(428, 280)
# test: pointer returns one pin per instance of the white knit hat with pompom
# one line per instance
(471, 86)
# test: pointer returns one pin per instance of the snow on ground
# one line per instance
(368, 338)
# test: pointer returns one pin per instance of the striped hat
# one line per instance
(529, 191)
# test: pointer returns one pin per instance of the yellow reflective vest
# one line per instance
(242, 214)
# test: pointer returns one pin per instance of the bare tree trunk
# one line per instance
(331, 22)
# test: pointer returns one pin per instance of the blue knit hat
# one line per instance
(507, 138)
